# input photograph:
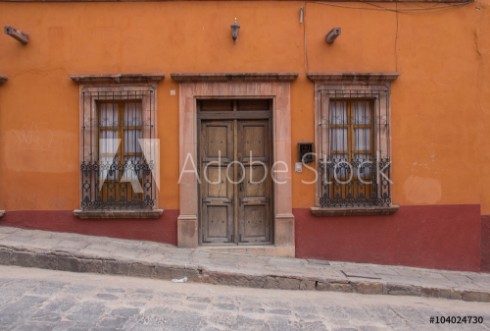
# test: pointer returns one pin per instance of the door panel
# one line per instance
(217, 209)
(218, 140)
(255, 181)
(218, 224)
(254, 211)
(255, 224)
(254, 138)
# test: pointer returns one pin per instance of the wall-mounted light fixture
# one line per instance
(234, 30)
(332, 35)
(17, 34)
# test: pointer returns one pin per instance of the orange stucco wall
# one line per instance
(440, 103)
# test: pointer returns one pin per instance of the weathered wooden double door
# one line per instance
(235, 155)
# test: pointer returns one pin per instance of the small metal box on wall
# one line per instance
(305, 152)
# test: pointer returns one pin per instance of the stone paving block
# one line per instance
(277, 282)
(336, 287)
(475, 296)
(94, 265)
(5, 256)
(115, 267)
(396, 289)
(221, 278)
(112, 323)
(141, 270)
(17, 310)
(307, 284)
(87, 312)
(67, 262)
(53, 309)
(369, 288)
(167, 272)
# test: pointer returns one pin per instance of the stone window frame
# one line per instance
(90, 85)
(372, 85)
(276, 86)
(3, 80)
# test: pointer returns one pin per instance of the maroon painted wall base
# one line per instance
(485, 243)
(452, 237)
(163, 229)
(437, 236)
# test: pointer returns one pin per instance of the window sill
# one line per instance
(88, 214)
(361, 211)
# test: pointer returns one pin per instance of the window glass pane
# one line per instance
(216, 105)
(362, 139)
(131, 141)
(108, 146)
(108, 141)
(338, 112)
(338, 140)
(132, 114)
(362, 112)
(253, 104)
(108, 114)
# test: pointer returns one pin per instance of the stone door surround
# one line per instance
(275, 86)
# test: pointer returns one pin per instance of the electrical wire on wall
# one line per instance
(376, 7)
(421, 10)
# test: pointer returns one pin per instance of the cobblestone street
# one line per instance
(36, 299)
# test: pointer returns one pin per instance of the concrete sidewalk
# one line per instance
(80, 253)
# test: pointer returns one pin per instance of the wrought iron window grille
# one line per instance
(354, 144)
(123, 179)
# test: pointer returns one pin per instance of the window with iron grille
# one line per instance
(353, 139)
(119, 151)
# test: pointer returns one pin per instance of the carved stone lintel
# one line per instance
(353, 77)
(87, 214)
(117, 78)
(226, 77)
(361, 211)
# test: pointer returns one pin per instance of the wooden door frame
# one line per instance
(236, 117)
(275, 86)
